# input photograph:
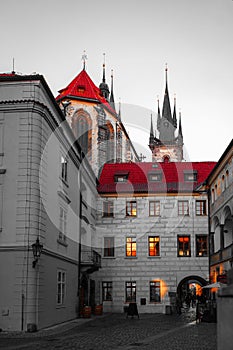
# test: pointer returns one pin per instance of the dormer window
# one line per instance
(121, 177)
(190, 175)
(81, 88)
(155, 176)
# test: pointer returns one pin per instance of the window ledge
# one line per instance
(131, 257)
(154, 257)
(108, 257)
(60, 307)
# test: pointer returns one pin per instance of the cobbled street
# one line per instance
(115, 331)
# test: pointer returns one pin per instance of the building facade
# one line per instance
(153, 229)
(220, 185)
(47, 196)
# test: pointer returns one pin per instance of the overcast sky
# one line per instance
(194, 37)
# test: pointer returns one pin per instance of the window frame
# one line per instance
(61, 288)
(156, 210)
(111, 248)
(199, 250)
(108, 209)
(190, 176)
(131, 247)
(131, 287)
(107, 288)
(154, 286)
(155, 176)
(184, 250)
(62, 223)
(182, 211)
(64, 168)
(152, 242)
(130, 207)
(200, 207)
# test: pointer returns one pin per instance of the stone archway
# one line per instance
(183, 287)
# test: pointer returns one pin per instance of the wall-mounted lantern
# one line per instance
(36, 249)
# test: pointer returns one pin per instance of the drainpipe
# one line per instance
(79, 238)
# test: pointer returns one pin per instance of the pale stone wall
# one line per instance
(168, 268)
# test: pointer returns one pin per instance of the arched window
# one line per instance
(82, 130)
(223, 183)
(227, 178)
(212, 196)
(110, 143)
(166, 159)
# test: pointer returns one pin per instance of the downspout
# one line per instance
(79, 239)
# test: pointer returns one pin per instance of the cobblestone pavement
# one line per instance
(115, 332)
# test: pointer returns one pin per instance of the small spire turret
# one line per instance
(112, 102)
(103, 86)
(174, 114)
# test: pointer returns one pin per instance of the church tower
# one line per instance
(168, 147)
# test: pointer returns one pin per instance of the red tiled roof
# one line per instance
(83, 87)
(173, 179)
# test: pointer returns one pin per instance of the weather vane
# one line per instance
(84, 59)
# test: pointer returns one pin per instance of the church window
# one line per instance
(155, 292)
(131, 208)
(166, 159)
(131, 246)
(201, 245)
(201, 208)
(82, 131)
(184, 247)
(154, 208)
(130, 291)
(183, 208)
(154, 248)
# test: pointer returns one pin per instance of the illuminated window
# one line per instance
(154, 249)
(184, 247)
(108, 209)
(131, 208)
(200, 208)
(107, 291)
(155, 292)
(154, 208)
(131, 246)
(201, 245)
(64, 166)
(183, 208)
(130, 291)
(108, 246)
(61, 284)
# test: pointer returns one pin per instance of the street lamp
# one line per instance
(36, 249)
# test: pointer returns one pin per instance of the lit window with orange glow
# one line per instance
(201, 245)
(184, 246)
(154, 246)
(131, 246)
(155, 292)
(131, 208)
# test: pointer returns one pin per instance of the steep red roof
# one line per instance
(82, 87)
(172, 177)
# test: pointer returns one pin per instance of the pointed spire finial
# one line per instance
(180, 133)
(13, 66)
(119, 113)
(84, 59)
(112, 102)
(151, 139)
(104, 69)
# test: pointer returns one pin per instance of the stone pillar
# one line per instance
(225, 315)
(221, 237)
